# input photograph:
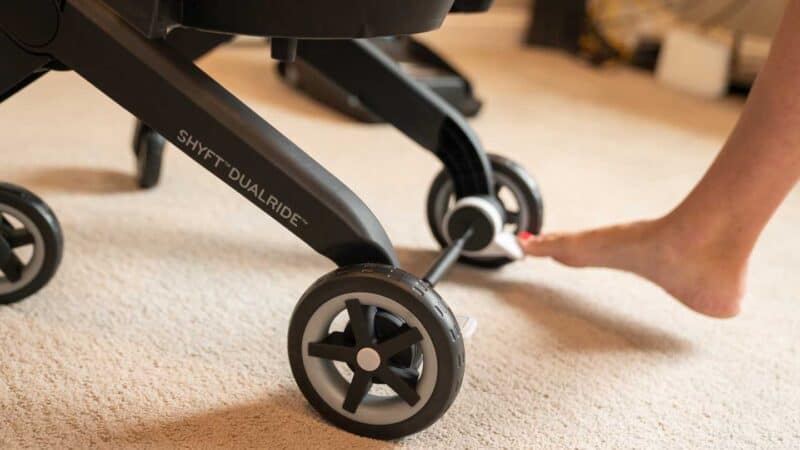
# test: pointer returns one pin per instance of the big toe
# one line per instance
(563, 247)
(544, 245)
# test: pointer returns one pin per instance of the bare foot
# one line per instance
(707, 275)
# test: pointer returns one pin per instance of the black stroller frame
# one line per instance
(364, 70)
(419, 61)
(399, 332)
(424, 64)
(361, 68)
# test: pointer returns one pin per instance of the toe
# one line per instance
(559, 246)
(545, 245)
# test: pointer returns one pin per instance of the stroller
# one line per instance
(400, 334)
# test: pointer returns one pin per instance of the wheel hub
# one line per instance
(385, 326)
(368, 359)
(373, 358)
(488, 239)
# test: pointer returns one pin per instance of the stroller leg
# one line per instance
(365, 71)
(148, 145)
(154, 82)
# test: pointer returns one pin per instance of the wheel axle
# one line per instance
(473, 227)
(447, 259)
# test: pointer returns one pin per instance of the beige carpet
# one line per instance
(166, 326)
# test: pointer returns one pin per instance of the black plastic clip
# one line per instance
(284, 49)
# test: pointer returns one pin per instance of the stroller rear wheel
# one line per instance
(31, 244)
(148, 147)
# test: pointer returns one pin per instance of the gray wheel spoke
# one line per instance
(12, 268)
(19, 238)
(362, 321)
(402, 341)
(333, 348)
(359, 388)
(402, 387)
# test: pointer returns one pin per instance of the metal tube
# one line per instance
(446, 260)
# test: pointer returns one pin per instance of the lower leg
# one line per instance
(760, 163)
(699, 251)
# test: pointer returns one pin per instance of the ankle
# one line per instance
(712, 265)
(705, 235)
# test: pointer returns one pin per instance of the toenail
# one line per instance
(525, 235)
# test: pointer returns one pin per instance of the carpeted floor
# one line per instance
(166, 325)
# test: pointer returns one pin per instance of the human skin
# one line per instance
(699, 251)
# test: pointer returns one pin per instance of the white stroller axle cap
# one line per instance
(489, 239)
(368, 359)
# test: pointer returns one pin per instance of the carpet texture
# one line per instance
(166, 325)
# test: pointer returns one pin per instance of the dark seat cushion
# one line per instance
(471, 6)
(318, 19)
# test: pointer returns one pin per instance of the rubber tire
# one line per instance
(519, 176)
(424, 303)
(148, 147)
(47, 224)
